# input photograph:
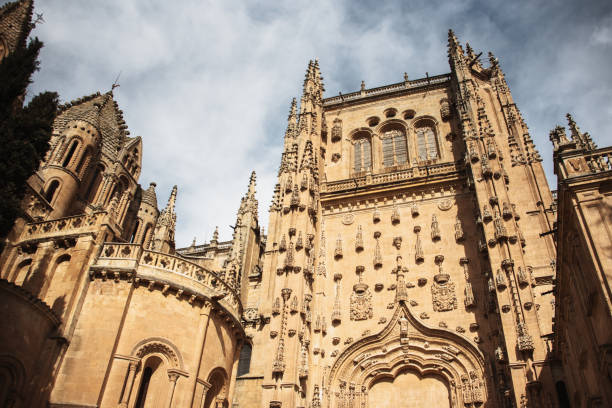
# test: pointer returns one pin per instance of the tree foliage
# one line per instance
(25, 130)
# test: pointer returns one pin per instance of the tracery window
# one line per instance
(394, 148)
(362, 155)
(427, 145)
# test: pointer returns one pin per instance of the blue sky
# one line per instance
(208, 84)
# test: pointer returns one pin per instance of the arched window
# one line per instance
(144, 387)
(84, 157)
(135, 232)
(96, 180)
(217, 393)
(146, 236)
(362, 155)
(427, 145)
(71, 151)
(23, 272)
(51, 189)
(394, 148)
(562, 394)
(61, 285)
(154, 383)
(244, 364)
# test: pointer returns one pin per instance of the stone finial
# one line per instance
(215, 238)
(493, 61)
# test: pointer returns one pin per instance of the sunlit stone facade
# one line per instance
(410, 260)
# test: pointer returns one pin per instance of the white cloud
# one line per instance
(208, 84)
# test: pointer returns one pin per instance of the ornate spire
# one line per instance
(215, 238)
(582, 140)
(291, 131)
(163, 238)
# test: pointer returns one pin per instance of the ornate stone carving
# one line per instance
(276, 306)
(359, 239)
(290, 257)
(486, 213)
(445, 204)
(443, 292)
(500, 229)
(500, 280)
(321, 267)
(336, 313)
(418, 249)
(338, 249)
(524, 340)
(376, 215)
(395, 216)
(459, 235)
(361, 300)
(299, 244)
(469, 299)
(303, 370)
(295, 196)
(377, 254)
(294, 304)
(401, 294)
(348, 219)
(435, 228)
(523, 279)
(336, 132)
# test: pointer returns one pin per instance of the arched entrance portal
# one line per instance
(408, 364)
(410, 390)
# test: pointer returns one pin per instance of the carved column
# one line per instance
(129, 383)
(205, 388)
(173, 378)
(202, 328)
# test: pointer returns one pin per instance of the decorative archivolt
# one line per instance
(406, 344)
(360, 133)
(158, 345)
(390, 124)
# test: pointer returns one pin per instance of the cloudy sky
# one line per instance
(207, 84)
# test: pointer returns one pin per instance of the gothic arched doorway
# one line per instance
(408, 364)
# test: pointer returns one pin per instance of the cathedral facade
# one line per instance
(415, 256)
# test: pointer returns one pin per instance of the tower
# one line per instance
(408, 243)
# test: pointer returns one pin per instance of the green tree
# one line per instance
(25, 130)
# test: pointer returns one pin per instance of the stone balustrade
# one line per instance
(133, 256)
(434, 80)
(599, 160)
(390, 177)
(62, 226)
